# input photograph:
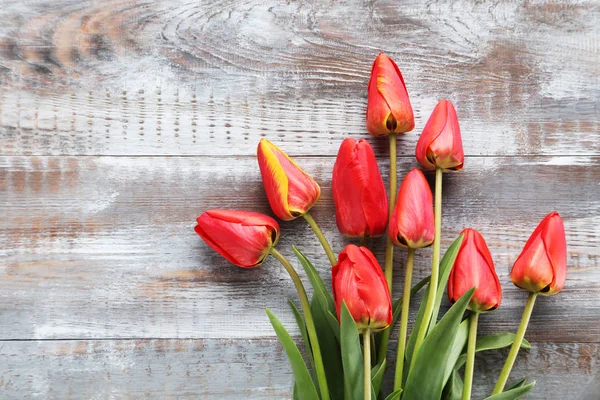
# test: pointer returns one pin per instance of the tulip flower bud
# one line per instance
(290, 190)
(542, 265)
(242, 237)
(358, 281)
(388, 108)
(474, 267)
(361, 207)
(412, 221)
(440, 144)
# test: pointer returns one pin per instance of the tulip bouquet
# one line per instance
(346, 332)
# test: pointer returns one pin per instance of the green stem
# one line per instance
(363, 241)
(514, 350)
(470, 355)
(321, 237)
(404, 320)
(435, 265)
(367, 363)
(310, 323)
(389, 245)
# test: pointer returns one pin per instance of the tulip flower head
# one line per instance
(412, 223)
(388, 108)
(358, 281)
(542, 265)
(361, 207)
(474, 267)
(290, 190)
(440, 144)
(242, 237)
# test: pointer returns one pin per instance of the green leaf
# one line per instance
(330, 350)
(303, 382)
(512, 394)
(302, 326)
(394, 395)
(315, 280)
(334, 324)
(492, 342)
(445, 266)
(377, 376)
(410, 346)
(352, 357)
(518, 384)
(498, 341)
(454, 388)
(397, 306)
(460, 339)
(426, 377)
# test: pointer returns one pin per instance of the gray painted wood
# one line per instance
(249, 369)
(213, 77)
(226, 369)
(121, 121)
(92, 242)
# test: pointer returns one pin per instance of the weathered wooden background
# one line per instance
(121, 121)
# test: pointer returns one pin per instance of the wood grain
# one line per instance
(122, 120)
(248, 369)
(213, 77)
(103, 247)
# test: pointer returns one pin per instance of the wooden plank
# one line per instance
(103, 247)
(249, 369)
(211, 78)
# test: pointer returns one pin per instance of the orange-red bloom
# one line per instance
(440, 144)
(290, 190)
(358, 281)
(388, 108)
(361, 207)
(542, 265)
(474, 267)
(412, 221)
(242, 237)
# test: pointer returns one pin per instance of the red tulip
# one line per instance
(361, 207)
(242, 237)
(542, 265)
(440, 144)
(412, 221)
(357, 280)
(388, 108)
(474, 267)
(290, 190)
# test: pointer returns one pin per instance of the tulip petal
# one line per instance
(412, 223)
(533, 270)
(474, 267)
(390, 84)
(243, 238)
(388, 109)
(291, 191)
(358, 280)
(359, 191)
(556, 248)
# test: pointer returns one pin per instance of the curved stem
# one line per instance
(315, 227)
(367, 363)
(470, 355)
(435, 264)
(389, 245)
(514, 350)
(310, 324)
(363, 241)
(404, 320)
